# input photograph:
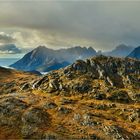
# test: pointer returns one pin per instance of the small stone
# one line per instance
(49, 105)
(64, 110)
(67, 101)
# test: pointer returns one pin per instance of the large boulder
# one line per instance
(26, 86)
(39, 82)
(54, 85)
(80, 66)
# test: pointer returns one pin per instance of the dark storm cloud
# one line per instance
(6, 38)
(9, 49)
(102, 24)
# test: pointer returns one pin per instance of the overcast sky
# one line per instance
(102, 25)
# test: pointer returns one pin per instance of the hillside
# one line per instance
(98, 99)
(11, 80)
(44, 59)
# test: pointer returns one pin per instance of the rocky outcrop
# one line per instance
(111, 69)
(80, 76)
(97, 98)
(26, 86)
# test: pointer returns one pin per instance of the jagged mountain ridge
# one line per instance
(44, 59)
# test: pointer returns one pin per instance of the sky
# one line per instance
(60, 24)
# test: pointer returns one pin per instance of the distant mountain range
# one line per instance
(135, 53)
(9, 49)
(44, 59)
(120, 51)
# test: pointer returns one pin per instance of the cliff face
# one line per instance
(98, 98)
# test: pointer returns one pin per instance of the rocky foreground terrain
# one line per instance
(98, 99)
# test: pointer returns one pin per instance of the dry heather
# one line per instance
(95, 99)
(11, 81)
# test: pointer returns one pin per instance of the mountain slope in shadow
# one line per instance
(44, 59)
